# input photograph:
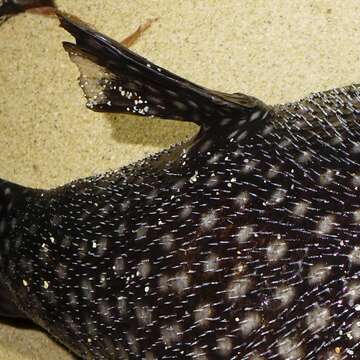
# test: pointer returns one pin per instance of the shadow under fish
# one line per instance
(242, 243)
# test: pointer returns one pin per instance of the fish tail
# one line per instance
(12, 198)
(115, 79)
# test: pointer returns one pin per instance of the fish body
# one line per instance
(241, 243)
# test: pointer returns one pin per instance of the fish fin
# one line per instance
(115, 79)
(10, 8)
(132, 38)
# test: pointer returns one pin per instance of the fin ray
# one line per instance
(115, 79)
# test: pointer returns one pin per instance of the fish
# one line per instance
(9, 8)
(240, 243)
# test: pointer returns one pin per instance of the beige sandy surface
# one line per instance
(275, 50)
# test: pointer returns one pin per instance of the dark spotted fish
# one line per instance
(10, 8)
(242, 243)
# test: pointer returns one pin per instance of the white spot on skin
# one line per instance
(213, 180)
(318, 274)
(170, 334)
(178, 185)
(326, 178)
(211, 264)
(121, 229)
(278, 196)
(202, 314)
(224, 346)
(238, 288)
(250, 323)
(119, 266)
(73, 299)
(353, 292)
(240, 268)
(356, 148)
(215, 158)
(285, 294)
(267, 130)
(25, 283)
(131, 340)
(61, 271)
(124, 206)
(245, 233)
(163, 283)
(276, 250)
(336, 140)
(143, 314)
(103, 280)
(249, 166)
(104, 310)
(122, 305)
(141, 232)
(198, 354)
(180, 282)
(186, 212)
(242, 199)
(355, 330)
(357, 216)
(46, 285)
(149, 356)
(325, 225)
(354, 256)
(318, 319)
(209, 220)
(304, 158)
(289, 349)
(102, 246)
(300, 209)
(356, 180)
(273, 171)
(167, 241)
(87, 289)
(144, 269)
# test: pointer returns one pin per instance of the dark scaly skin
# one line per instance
(240, 244)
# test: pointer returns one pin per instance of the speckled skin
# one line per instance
(240, 244)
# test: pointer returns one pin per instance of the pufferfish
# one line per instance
(241, 243)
